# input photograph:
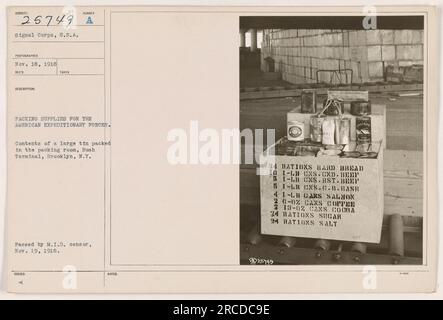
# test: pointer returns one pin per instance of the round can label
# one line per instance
(295, 131)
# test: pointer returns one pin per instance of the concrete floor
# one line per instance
(253, 78)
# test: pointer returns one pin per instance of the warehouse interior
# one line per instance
(281, 56)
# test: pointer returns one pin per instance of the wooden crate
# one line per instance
(322, 197)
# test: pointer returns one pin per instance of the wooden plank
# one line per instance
(402, 160)
(409, 188)
(406, 207)
(404, 142)
(410, 174)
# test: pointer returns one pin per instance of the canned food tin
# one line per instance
(360, 108)
(296, 131)
(315, 124)
(342, 130)
(308, 101)
(328, 131)
(363, 129)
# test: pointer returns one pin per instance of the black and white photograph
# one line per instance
(205, 151)
(336, 176)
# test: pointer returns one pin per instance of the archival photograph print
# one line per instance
(331, 119)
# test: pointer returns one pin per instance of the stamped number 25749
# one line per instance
(46, 20)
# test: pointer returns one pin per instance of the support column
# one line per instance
(253, 40)
(242, 38)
